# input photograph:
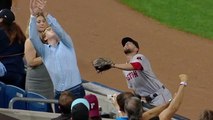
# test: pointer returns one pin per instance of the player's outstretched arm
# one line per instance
(123, 66)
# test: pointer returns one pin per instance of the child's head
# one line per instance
(65, 101)
(49, 36)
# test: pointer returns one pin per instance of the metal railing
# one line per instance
(13, 100)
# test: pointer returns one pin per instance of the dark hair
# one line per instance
(133, 108)
(14, 32)
(80, 112)
(65, 100)
(124, 96)
(206, 115)
(121, 99)
(5, 4)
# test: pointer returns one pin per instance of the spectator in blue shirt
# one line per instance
(58, 54)
(37, 76)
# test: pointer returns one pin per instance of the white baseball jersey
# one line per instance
(143, 82)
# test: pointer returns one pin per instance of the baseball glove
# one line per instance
(102, 64)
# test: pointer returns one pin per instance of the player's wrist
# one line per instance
(113, 65)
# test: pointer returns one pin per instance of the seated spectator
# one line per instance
(134, 109)
(94, 107)
(206, 115)
(119, 100)
(65, 101)
(80, 109)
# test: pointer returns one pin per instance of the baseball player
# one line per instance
(139, 75)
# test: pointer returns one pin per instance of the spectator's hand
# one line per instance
(34, 7)
(37, 6)
(42, 4)
(183, 78)
(114, 101)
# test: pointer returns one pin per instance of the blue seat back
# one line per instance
(37, 106)
(2, 92)
(13, 91)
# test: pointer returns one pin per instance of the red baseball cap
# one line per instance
(94, 107)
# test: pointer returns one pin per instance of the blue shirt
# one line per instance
(2, 70)
(122, 118)
(60, 60)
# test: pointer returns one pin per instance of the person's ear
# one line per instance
(45, 38)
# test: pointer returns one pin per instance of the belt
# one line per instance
(73, 88)
(150, 97)
(12, 55)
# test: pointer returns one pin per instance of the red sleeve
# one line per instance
(137, 66)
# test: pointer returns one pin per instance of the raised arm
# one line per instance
(64, 37)
(33, 32)
(176, 102)
(154, 112)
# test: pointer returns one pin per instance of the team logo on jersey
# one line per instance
(139, 58)
(132, 75)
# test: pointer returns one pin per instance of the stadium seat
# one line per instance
(13, 91)
(37, 106)
(2, 92)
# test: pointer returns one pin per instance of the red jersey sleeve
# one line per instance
(137, 66)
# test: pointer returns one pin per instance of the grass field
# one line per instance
(193, 16)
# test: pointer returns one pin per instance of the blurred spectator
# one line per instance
(12, 41)
(37, 76)
(134, 109)
(94, 113)
(64, 73)
(80, 109)
(206, 115)
(65, 101)
(119, 101)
